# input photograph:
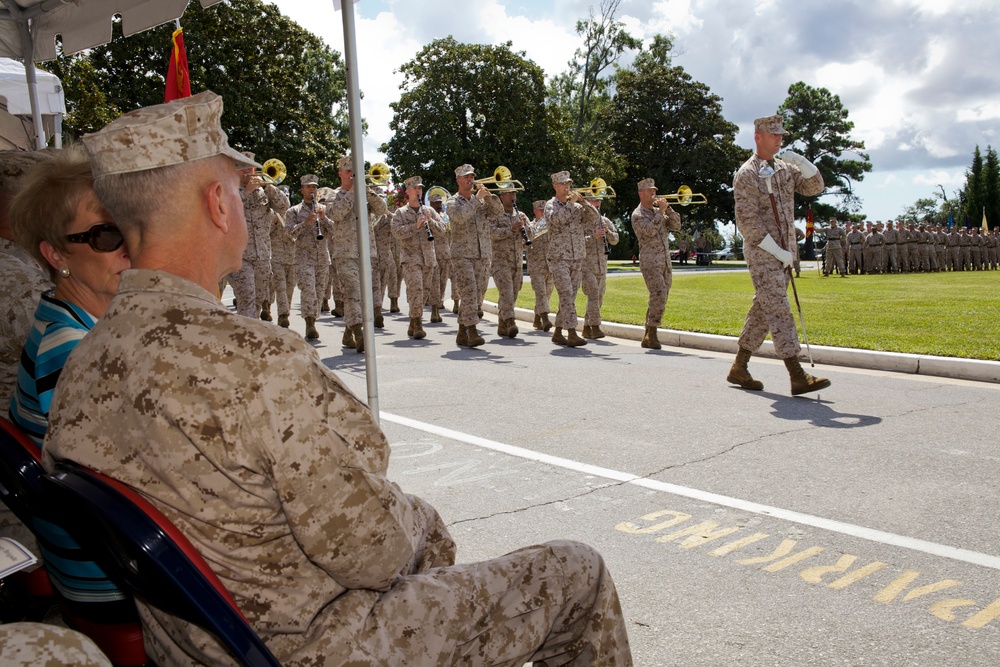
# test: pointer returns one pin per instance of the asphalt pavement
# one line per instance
(854, 526)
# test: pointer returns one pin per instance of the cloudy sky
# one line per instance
(920, 78)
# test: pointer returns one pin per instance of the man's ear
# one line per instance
(218, 210)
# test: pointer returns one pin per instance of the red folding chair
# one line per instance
(114, 626)
(135, 542)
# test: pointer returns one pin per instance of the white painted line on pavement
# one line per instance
(933, 548)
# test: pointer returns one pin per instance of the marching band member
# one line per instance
(538, 269)
(417, 227)
(442, 252)
(345, 249)
(508, 244)
(471, 249)
(595, 271)
(307, 223)
(252, 283)
(570, 218)
(653, 220)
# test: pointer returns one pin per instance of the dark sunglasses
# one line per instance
(102, 237)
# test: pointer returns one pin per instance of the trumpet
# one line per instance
(598, 189)
(502, 180)
(378, 174)
(684, 197)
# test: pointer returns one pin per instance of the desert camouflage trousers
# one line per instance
(541, 283)
(567, 274)
(312, 283)
(770, 311)
(442, 274)
(282, 286)
(387, 278)
(471, 276)
(420, 288)
(251, 286)
(658, 276)
(508, 278)
(594, 285)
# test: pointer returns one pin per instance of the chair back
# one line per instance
(135, 542)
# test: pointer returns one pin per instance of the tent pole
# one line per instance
(28, 54)
(360, 202)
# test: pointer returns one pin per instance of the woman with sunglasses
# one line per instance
(58, 218)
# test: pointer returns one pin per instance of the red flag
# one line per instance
(178, 80)
(809, 222)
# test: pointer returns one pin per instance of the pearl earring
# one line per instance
(64, 271)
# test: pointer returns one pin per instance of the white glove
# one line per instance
(771, 246)
(807, 168)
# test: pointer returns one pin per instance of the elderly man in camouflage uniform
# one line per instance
(416, 226)
(538, 267)
(652, 221)
(307, 223)
(345, 250)
(595, 271)
(252, 283)
(763, 185)
(509, 230)
(471, 249)
(570, 219)
(258, 453)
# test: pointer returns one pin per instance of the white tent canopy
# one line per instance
(28, 30)
(16, 129)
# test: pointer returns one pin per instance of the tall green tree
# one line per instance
(477, 104)
(819, 128)
(285, 91)
(974, 193)
(670, 128)
(991, 189)
(584, 89)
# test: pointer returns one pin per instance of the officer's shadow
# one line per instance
(811, 408)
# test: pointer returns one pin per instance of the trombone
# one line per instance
(502, 180)
(684, 197)
(273, 171)
(378, 175)
(598, 189)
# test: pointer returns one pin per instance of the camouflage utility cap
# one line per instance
(15, 164)
(345, 163)
(561, 177)
(309, 179)
(162, 135)
(414, 182)
(539, 205)
(436, 197)
(647, 184)
(464, 170)
(773, 124)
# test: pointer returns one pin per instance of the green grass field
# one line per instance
(945, 314)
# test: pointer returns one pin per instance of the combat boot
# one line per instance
(512, 329)
(418, 328)
(454, 307)
(462, 340)
(325, 307)
(409, 329)
(311, 333)
(538, 321)
(378, 320)
(480, 313)
(436, 315)
(596, 331)
(283, 320)
(359, 338)
(573, 340)
(802, 382)
(265, 312)
(739, 374)
(393, 304)
(502, 328)
(348, 339)
(588, 331)
(558, 337)
(337, 311)
(651, 340)
(475, 340)
(546, 322)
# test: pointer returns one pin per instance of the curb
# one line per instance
(916, 364)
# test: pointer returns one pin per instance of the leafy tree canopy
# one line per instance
(285, 92)
(818, 127)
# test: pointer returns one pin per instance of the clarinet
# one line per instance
(319, 227)
(427, 223)
(607, 246)
(524, 230)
